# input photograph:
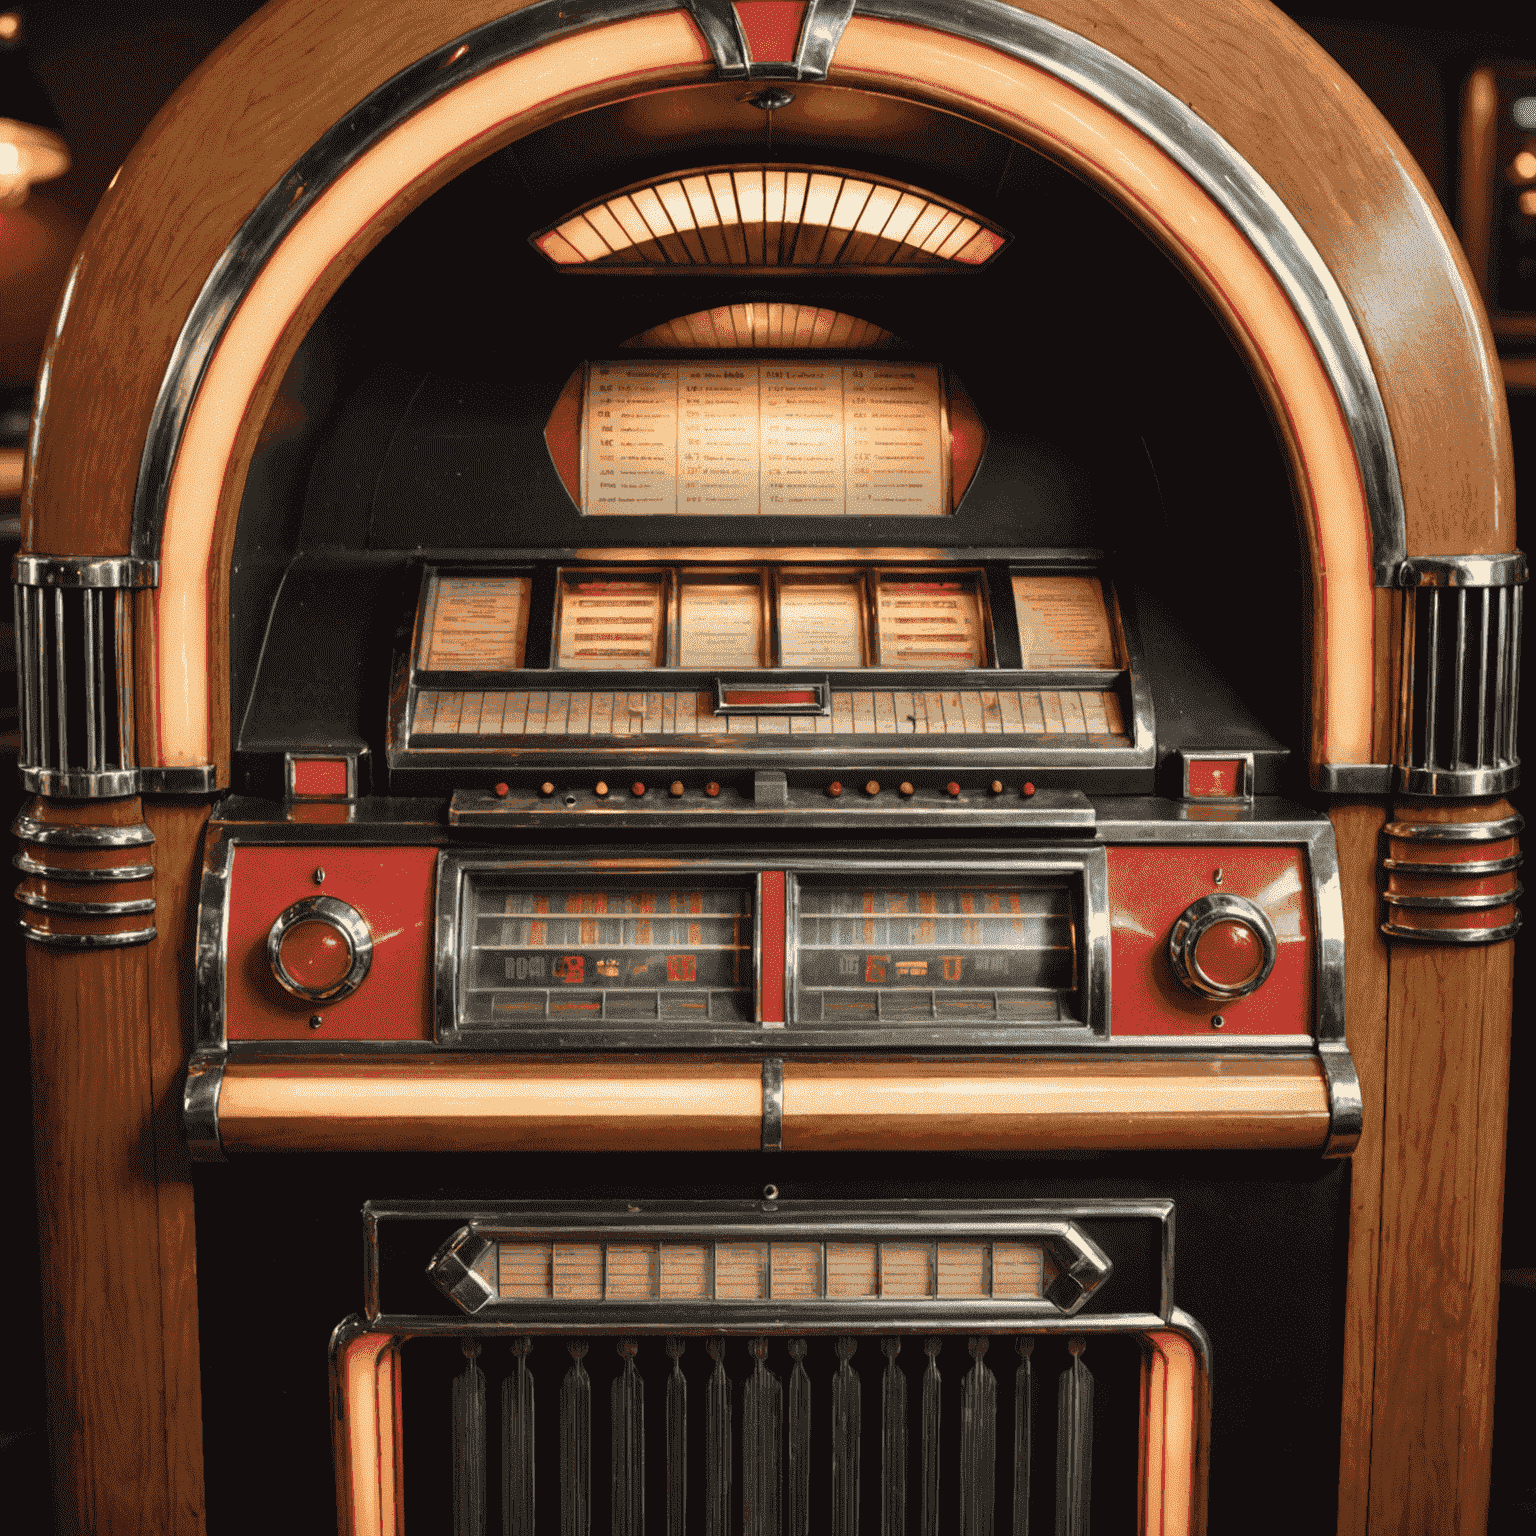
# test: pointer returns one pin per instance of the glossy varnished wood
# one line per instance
(533, 1104)
(1357, 829)
(1035, 1105)
(1445, 1096)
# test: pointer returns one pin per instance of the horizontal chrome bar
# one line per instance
(1462, 570)
(28, 830)
(120, 940)
(84, 571)
(79, 876)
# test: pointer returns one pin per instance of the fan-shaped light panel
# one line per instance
(741, 327)
(771, 216)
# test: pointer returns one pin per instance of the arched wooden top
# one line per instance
(186, 198)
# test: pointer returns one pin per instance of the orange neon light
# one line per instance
(370, 1435)
(771, 216)
(1168, 1436)
(754, 326)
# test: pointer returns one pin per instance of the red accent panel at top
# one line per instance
(770, 696)
(772, 28)
(772, 929)
(1149, 888)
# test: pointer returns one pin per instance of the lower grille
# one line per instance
(582, 1395)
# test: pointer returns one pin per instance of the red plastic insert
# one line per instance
(772, 28)
(1229, 953)
(772, 919)
(315, 955)
(1216, 779)
(320, 776)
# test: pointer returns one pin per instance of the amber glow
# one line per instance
(1528, 204)
(631, 53)
(774, 216)
(28, 155)
(1041, 109)
(369, 1387)
(1524, 165)
(1168, 1436)
(10, 26)
(744, 326)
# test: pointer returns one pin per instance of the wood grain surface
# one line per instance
(1357, 830)
(1050, 1105)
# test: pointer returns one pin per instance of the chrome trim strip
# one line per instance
(198, 779)
(295, 194)
(773, 1104)
(200, 1107)
(1346, 1100)
(1456, 831)
(79, 876)
(1463, 570)
(820, 33)
(1453, 935)
(1464, 783)
(723, 32)
(1483, 903)
(1252, 205)
(1469, 871)
(1352, 778)
(139, 904)
(212, 944)
(89, 571)
(79, 783)
(28, 830)
(87, 940)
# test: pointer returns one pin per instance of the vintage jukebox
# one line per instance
(758, 690)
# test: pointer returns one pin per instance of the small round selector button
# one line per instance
(1222, 947)
(320, 949)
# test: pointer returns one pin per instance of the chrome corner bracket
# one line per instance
(200, 1107)
(1460, 669)
(1346, 1104)
(820, 33)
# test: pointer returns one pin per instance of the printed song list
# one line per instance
(761, 439)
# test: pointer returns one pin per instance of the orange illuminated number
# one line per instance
(874, 969)
(569, 968)
(682, 967)
(952, 967)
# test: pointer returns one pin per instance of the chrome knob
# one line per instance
(320, 949)
(1222, 947)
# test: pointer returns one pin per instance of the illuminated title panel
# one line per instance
(771, 216)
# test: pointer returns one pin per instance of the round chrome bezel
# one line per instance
(355, 933)
(1191, 926)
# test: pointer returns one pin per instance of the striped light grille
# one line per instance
(759, 1271)
(771, 216)
(741, 327)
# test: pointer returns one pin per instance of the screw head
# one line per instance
(315, 1021)
(319, 877)
(1217, 1021)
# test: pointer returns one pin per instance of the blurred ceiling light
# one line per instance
(31, 149)
(28, 154)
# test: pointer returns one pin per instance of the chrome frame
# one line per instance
(821, 687)
(1244, 761)
(1200, 916)
(318, 755)
(355, 933)
(1082, 1266)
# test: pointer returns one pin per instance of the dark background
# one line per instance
(107, 70)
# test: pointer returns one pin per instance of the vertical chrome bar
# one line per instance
(799, 1499)
(517, 1445)
(929, 1525)
(871, 583)
(1405, 680)
(1074, 1444)
(717, 1446)
(846, 1410)
(677, 1442)
(768, 597)
(1432, 676)
(628, 1403)
(978, 1445)
(576, 1445)
(1513, 712)
(893, 1443)
(59, 677)
(92, 739)
(123, 660)
(1482, 756)
(1501, 672)
(469, 1445)
(39, 629)
(672, 645)
(1459, 697)
(1023, 1435)
(762, 1428)
(26, 681)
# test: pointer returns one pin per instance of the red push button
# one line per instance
(1229, 953)
(315, 955)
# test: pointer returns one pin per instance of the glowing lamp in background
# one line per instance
(28, 154)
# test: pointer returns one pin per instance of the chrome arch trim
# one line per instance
(1241, 193)
(1234, 185)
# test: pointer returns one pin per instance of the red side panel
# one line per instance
(1209, 777)
(392, 888)
(1149, 888)
(772, 28)
(772, 981)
